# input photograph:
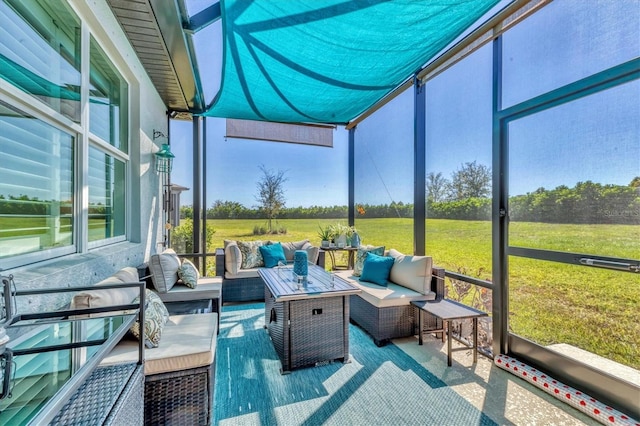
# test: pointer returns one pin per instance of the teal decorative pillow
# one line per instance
(188, 273)
(155, 317)
(361, 254)
(272, 254)
(376, 269)
(251, 256)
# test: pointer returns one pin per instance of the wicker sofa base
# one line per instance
(383, 324)
(242, 289)
(180, 397)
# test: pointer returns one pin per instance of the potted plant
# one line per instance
(340, 232)
(325, 235)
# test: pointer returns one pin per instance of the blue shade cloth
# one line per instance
(271, 254)
(376, 269)
(300, 263)
(328, 61)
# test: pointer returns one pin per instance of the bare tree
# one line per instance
(437, 187)
(472, 180)
(271, 194)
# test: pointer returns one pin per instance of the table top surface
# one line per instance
(46, 362)
(448, 309)
(283, 284)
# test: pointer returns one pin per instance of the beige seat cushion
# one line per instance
(207, 288)
(243, 273)
(164, 270)
(413, 272)
(188, 341)
(384, 297)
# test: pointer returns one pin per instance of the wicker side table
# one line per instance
(447, 311)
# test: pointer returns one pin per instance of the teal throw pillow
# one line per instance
(272, 254)
(376, 269)
(361, 254)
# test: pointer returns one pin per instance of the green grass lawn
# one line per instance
(594, 309)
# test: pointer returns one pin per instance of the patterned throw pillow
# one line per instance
(155, 317)
(251, 256)
(361, 254)
(188, 273)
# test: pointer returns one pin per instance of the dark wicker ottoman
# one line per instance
(383, 324)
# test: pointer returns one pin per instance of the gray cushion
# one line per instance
(232, 257)
(102, 298)
(312, 253)
(291, 247)
(164, 270)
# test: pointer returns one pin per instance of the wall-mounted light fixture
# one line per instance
(164, 157)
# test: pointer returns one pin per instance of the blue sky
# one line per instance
(596, 138)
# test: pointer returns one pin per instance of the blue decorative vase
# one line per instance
(300, 265)
(355, 240)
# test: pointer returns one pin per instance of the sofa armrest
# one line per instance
(437, 281)
(321, 258)
(219, 262)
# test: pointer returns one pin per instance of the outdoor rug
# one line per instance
(380, 386)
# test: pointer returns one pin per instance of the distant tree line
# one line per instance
(586, 202)
(466, 196)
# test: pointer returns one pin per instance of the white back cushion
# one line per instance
(413, 272)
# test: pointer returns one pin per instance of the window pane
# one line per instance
(458, 166)
(384, 175)
(108, 100)
(106, 196)
(566, 41)
(40, 52)
(36, 185)
(574, 175)
(571, 309)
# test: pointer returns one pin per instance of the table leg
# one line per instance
(448, 324)
(350, 261)
(420, 326)
(332, 256)
(475, 340)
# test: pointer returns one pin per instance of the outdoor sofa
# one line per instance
(241, 284)
(179, 372)
(385, 311)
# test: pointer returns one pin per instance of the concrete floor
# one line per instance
(505, 398)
